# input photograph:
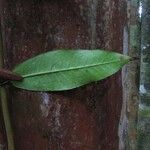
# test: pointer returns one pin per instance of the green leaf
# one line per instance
(67, 69)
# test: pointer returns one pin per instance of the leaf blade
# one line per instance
(67, 69)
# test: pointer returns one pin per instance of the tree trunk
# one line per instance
(85, 118)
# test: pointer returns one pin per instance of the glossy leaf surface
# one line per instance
(67, 69)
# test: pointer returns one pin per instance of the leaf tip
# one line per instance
(125, 59)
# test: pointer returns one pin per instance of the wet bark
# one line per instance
(85, 118)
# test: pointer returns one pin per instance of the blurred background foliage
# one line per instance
(144, 105)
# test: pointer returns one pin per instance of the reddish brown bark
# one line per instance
(85, 118)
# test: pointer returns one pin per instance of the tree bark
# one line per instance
(85, 118)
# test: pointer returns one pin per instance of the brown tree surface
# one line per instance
(85, 118)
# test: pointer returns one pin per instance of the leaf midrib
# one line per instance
(67, 69)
